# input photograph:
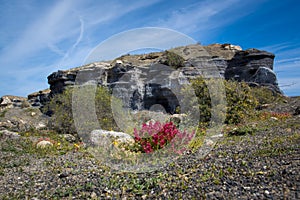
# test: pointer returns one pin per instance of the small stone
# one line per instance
(274, 118)
(43, 144)
(40, 125)
(264, 167)
(267, 192)
(69, 137)
(209, 142)
(217, 136)
(93, 195)
(247, 188)
(62, 175)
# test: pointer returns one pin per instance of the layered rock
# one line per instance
(253, 66)
(146, 80)
(9, 101)
(37, 99)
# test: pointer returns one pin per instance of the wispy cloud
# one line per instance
(207, 15)
(58, 29)
(290, 86)
(64, 22)
(287, 63)
(49, 29)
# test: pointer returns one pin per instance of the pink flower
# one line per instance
(154, 136)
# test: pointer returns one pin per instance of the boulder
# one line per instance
(104, 137)
(44, 144)
(264, 75)
(69, 137)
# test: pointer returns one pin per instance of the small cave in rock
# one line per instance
(159, 98)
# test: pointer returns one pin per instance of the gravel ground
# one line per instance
(264, 165)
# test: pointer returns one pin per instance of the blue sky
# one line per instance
(40, 37)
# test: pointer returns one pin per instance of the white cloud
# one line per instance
(60, 29)
(207, 15)
(64, 22)
(54, 26)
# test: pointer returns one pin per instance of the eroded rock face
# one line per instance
(37, 99)
(145, 80)
(245, 64)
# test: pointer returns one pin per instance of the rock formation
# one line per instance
(146, 80)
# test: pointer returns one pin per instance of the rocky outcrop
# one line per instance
(9, 101)
(147, 80)
(37, 99)
(22, 119)
(245, 64)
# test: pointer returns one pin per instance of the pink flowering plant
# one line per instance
(154, 136)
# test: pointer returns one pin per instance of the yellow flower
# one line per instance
(115, 143)
(58, 144)
(76, 146)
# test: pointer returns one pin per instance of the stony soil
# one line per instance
(262, 165)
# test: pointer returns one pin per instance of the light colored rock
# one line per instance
(43, 144)
(209, 142)
(274, 118)
(9, 134)
(6, 125)
(9, 101)
(103, 137)
(119, 61)
(217, 136)
(69, 137)
(40, 125)
(5, 101)
(232, 47)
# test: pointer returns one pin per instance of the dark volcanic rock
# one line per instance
(142, 81)
(37, 99)
(265, 75)
(245, 64)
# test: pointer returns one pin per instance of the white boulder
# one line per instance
(104, 137)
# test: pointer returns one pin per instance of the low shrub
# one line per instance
(62, 118)
(241, 103)
(240, 129)
(274, 115)
(154, 136)
(265, 96)
(173, 60)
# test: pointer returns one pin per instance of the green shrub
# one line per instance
(265, 95)
(241, 129)
(174, 60)
(61, 105)
(240, 101)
